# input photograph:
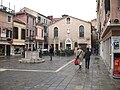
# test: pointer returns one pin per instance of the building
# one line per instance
(42, 23)
(40, 36)
(6, 30)
(18, 44)
(94, 37)
(69, 32)
(30, 22)
(108, 26)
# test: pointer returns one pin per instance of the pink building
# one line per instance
(108, 22)
(30, 28)
(18, 44)
(6, 28)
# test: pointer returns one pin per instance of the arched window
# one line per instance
(68, 20)
(55, 32)
(81, 31)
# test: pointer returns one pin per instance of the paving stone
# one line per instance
(68, 78)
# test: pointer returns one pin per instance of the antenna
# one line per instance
(14, 7)
(9, 5)
(1, 2)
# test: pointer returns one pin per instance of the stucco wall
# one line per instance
(74, 31)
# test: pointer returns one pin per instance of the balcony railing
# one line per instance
(6, 9)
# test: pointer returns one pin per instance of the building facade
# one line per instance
(42, 23)
(94, 37)
(39, 36)
(69, 32)
(18, 44)
(108, 18)
(6, 30)
(30, 22)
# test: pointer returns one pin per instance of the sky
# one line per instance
(82, 9)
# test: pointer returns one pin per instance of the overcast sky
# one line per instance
(82, 9)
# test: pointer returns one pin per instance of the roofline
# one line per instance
(72, 17)
(36, 12)
(19, 13)
(19, 21)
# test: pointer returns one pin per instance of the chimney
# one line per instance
(50, 17)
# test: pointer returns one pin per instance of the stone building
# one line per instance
(69, 32)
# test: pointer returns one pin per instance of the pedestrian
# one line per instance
(79, 56)
(40, 52)
(87, 58)
(51, 52)
(23, 52)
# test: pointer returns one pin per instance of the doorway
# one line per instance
(7, 50)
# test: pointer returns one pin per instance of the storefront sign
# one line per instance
(117, 67)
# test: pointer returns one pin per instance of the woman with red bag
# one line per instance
(79, 56)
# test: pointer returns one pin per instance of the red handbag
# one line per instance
(76, 62)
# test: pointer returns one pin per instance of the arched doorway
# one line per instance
(68, 44)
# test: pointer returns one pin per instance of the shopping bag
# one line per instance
(76, 62)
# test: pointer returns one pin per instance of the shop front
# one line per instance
(2, 50)
(115, 56)
(5, 49)
(17, 47)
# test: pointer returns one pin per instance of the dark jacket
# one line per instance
(87, 54)
(51, 50)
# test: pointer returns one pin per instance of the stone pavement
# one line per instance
(59, 74)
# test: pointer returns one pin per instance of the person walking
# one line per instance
(51, 52)
(87, 58)
(79, 56)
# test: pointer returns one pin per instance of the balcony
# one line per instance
(30, 39)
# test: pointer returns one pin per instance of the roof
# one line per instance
(55, 20)
(20, 13)
(25, 8)
(19, 21)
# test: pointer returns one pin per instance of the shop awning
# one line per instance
(5, 43)
(18, 43)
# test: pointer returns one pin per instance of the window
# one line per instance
(10, 33)
(30, 33)
(7, 33)
(33, 21)
(22, 33)
(55, 32)
(81, 31)
(61, 45)
(9, 18)
(39, 19)
(33, 33)
(44, 20)
(68, 20)
(27, 32)
(42, 33)
(27, 19)
(15, 33)
(107, 6)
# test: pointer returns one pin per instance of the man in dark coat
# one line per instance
(87, 58)
(51, 51)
